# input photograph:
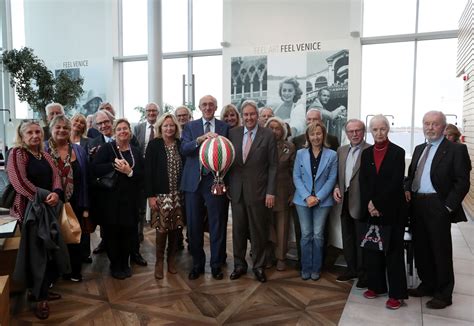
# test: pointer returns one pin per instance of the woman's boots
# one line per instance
(160, 252)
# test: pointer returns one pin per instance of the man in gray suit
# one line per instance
(145, 131)
(252, 190)
(347, 196)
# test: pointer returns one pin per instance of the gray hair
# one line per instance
(54, 105)
(251, 103)
(186, 108)
(379, 117)
(316, 110)
(354, 120)
(265, 108)
(441, 114)
(282, 124)
(107, 113)
(153, 103)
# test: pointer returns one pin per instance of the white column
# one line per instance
(155, 53)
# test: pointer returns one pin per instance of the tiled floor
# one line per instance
(360, 311)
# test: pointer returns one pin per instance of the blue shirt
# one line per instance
(426, 187)
(212, 126)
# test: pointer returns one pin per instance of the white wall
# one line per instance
(76, 30)
(249, 24)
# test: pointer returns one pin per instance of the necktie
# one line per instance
(152, 133)
(208, 127)
(415, 186)
(350, 166)
(247, 146)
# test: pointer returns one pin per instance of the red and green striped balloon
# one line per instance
(217, 154)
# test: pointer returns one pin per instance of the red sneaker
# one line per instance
(393, 304)
(369, 294)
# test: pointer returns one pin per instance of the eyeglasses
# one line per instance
(103, 122)
(152, 110)
(182, 115)
(355, 131)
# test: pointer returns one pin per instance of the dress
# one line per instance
(170, 216)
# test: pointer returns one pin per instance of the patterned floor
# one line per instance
(142, 300)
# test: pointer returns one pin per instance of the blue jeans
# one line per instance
(312, 222)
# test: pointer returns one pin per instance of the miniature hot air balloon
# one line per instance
(217, 155)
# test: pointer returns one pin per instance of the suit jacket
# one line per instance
(324, 181)
(190, 150)
(284, 184)
(354, 188)
(257, 176)
(331, 141)
(449, 175)
(94, 145)
(384, 188)
(140, 131)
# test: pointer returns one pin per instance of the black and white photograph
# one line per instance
(249, 80)
(327, 86)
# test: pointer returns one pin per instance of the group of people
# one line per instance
(156, 169)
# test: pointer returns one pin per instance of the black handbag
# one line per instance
(6, 190)
(107, 181)
(377, 237)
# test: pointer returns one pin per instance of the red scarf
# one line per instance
(379, 153)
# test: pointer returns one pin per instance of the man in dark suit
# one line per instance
(313, 115)
(252, 190)
(196, 183)
(145, 131)
(347, 196)
(438, 181)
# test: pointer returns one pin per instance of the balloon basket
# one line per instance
(218, 188)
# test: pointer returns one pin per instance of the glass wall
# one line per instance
(188, 27)
(409, 64)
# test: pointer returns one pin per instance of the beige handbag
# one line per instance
(70, 227)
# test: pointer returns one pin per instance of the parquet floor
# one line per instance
(141, 300)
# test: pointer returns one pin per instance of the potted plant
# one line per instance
(36, 84)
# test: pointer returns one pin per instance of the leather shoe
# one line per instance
(100, 248)
(418, 293)
(260, 275)
(42, 310)
(217, 273)
(195, 273)
(138, 259)
(438, 304)
(237, 273)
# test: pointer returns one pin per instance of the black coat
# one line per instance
(449, 175)
(385, 188)
(120, 205)
(156, 168)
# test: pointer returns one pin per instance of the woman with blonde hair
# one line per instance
(71, 161)
(79, 131)
(231, 116)
(33, 175)
(163, 168)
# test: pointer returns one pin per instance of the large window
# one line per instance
(191, 36)
(409, 64)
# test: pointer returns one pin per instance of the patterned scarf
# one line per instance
(64, 168)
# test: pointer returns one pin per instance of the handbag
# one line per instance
(6, 190)
(109, 180)
(376, 238)
(69, 225)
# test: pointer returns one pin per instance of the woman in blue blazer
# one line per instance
(314, 175)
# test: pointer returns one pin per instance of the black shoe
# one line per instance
(127, 272)
(75, 277)
(438, 303)
(237, 273)
(100, 248)
(361, 284)
(217, 273)
(138, 259)
(346, 277)
(419, 292)
(195, 273)
(119, 275)
(260, 275)
(87, 260)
